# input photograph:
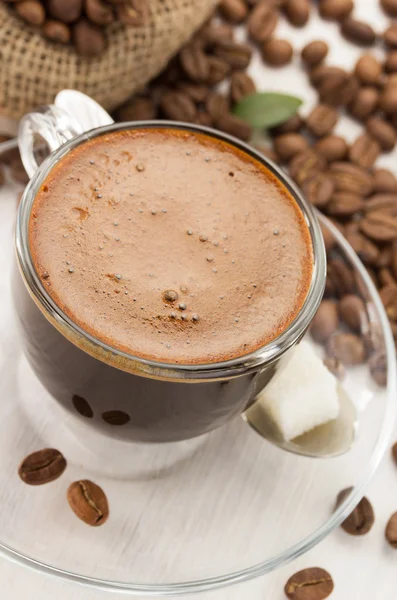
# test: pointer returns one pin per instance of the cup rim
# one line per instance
(151, 368)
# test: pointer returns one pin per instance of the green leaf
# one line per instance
(266, 109)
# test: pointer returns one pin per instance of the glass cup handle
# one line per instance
(43, 131)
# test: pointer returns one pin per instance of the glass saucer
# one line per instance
(185, 517)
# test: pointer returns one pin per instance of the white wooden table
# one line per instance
(362, 568)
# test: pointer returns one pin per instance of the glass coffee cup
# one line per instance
(122, 395)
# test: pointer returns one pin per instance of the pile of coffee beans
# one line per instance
(80, 22)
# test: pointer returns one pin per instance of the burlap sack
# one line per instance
(33, 70)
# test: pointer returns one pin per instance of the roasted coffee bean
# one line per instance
(325, 321)
(237, 55)
(82, 407)
(385, 257)
(88, 38)
(194, 63)
(42, 467)
(387, 203)
(360, 521)
(67, 12)
(318, 189)
(379, 227)
(234, 11)
(309, 584)
(216, 106)
(293, 125)
(378, 368)
(391, 530)
(393, 261)
(321, 120)
(214, 32)
(31, 11)
(88, 502)
(335, 9)
(262, 147)
(137, 109)
(99, 12)
(335, 86)
(388, 100)
(314, 53)
(218, 70)
(358, 32)
(335, 367)
(198, 92)
(351, 178)
(297, 12)
(305, 165)
(178, 107)
(204, 118)
(390, 36)
(390, 7)
(234, 126)
(277, 53)
(364, 103)
(332, 147)
(385, 277)
(368, 70)
(57, 32)
(394, 452)
(364, 151)
(388, 295)
(344, 204)
(384, 181)
(241, 85)
(289, 144)
(352, 312)
(382, 132)
(262, 22)
(346, 347)
(341, 275)
(116, 418)
(366, 250)
(390, 64)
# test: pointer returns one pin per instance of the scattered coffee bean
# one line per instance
(277, 53)
(368, 70)
(384, 181)
(234, 126)
(88, 38)
(335, 86)
(364, 151)
(360, 521)
(351, 178)
(88, 502)
(262, 22)
(325, 322)
(218, 70)
(289, 144)
(293, 125)
(314, 53)
(364, 103)
(57, 31)
(379, 227)
(390, 36)
(391, 530)
(178, 107)
(352, 312)
(194, 63)
(366, 250)
(241, 85)
(335, 9)
(388, 100)
(115, 417)
(318, 189)
(358, 32)
(321, 120)
(332, 147)
(234, 11)
(216, 106)
(344, 204)
(305, 165)
(382, 132)
(42, 467)
(394, 452)
(238, 56)
(390, 7)
(31, 11)
(390, 64)
(311, 584)
(137, 109)
(387, 203)
(346, 347)
(297, 12)
(66, 12)
(82, 407)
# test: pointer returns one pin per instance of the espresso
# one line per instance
(171, 245)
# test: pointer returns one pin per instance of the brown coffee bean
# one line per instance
(393, 259)
(335, 86)
(390, 7)
(388, 295)
(368, 70)
(31, 11)
(386, 203)
(364, 151)
(341, 275)
(56, 31)
(390, 36)
(305, 165)
(241, 85)
(394, 452)
(237, 55)
(198, 92)
(88, 38)
(390, 64)
(379, 227)
(388, 100)
(216, 105)
(352, 312)
(364, 103)
(67, 12)
(335, 367)
(344, 204)
(366, 250)
(385, 257)
(391, 530)
(314, 53)
(204, 118)
(234, 126)
(351, 178)
(325, 321)
(293, 125)
(385, 277)
(194, 63)
(321, 120)
(332, 147)
(117, 418)
(383, 132)
(82, 407)
(212, 33)
(378, 368)
(178, 107)
(289, 144)
(360, 521)
(335, 9)
(310, 584)
(346, 347)
(358, 32)
(277, 53)
(318, 189)
(88, 502)
(137, 109)
(99, 12)
(384, 181)
(218, 70)
(297, 12)
(234, 11)
(42, 467)
(262, 22)
(262, 147)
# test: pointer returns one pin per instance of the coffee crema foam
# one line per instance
(171, 245)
